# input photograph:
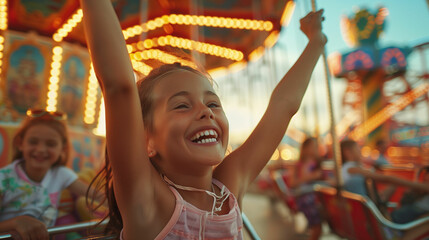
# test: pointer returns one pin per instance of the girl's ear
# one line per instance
(151, 151)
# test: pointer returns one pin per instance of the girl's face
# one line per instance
(355, 154)
(41, 147)
(311, 150)
(189, 122)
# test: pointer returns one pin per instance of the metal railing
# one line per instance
(87, 225)
(67, 228)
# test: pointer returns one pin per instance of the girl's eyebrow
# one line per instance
(181, 93)
(210, 93)
(185, 93)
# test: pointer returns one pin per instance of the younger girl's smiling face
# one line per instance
(188, 119)
(41, 147)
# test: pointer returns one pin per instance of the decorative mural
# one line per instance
(25, 74)
(24, 79)
(73, 81)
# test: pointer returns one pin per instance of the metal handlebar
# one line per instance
(66, 228)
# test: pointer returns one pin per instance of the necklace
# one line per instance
(218, 200)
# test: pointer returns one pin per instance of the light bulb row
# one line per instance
(160, 56)
(206, 21)
(141, 67)
(91, 98)
(206, 48)
(71, 23)
(3, 14)
(51, 103)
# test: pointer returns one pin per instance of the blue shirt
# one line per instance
(354, 183)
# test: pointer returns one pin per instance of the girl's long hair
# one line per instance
(103, 181)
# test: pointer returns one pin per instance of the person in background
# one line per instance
(308, 172)
(31, 185)
(355, 175)
(414, 204)
(382, 160)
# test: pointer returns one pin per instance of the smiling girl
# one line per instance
(165, 136)
(31, 185)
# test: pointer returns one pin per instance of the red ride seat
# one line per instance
(355, 217)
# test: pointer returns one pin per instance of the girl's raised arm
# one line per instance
(242, 166)
(126, 147)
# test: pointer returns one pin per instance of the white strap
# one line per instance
(217, 199)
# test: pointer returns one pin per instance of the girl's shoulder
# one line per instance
(9, 177)
(10, 168)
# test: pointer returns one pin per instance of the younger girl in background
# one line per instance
(31, 185)
(165, 136)
(307, 172)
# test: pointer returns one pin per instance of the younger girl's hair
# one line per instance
(346, 145)
(304, 145)
(58, 125)
(104, 179)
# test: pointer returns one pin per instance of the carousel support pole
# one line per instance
(425, 72)
(196, 34)
(335, 143)
(143, 17)
(315, 109)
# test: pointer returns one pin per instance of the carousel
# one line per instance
(44, 62)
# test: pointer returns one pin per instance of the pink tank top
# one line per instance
(190, 222)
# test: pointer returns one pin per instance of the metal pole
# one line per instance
(315, 108)
(143, 17)
(335, 143)
(249, 227)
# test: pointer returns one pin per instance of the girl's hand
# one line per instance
(30, 228)
(311, 26)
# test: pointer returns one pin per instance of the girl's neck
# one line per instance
(191, 176)
(35, 175)
(203, 198)
(199, 181)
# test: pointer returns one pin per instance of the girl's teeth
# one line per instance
(208, 140)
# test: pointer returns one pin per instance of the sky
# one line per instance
(407, 25)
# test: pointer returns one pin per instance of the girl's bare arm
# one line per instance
(242, 166)
(126, 147)
(389, 179)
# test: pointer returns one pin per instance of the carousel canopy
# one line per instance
(44, 62)
(216, 33)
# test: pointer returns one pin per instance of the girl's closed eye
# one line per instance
(213, 105)
(181, 106)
